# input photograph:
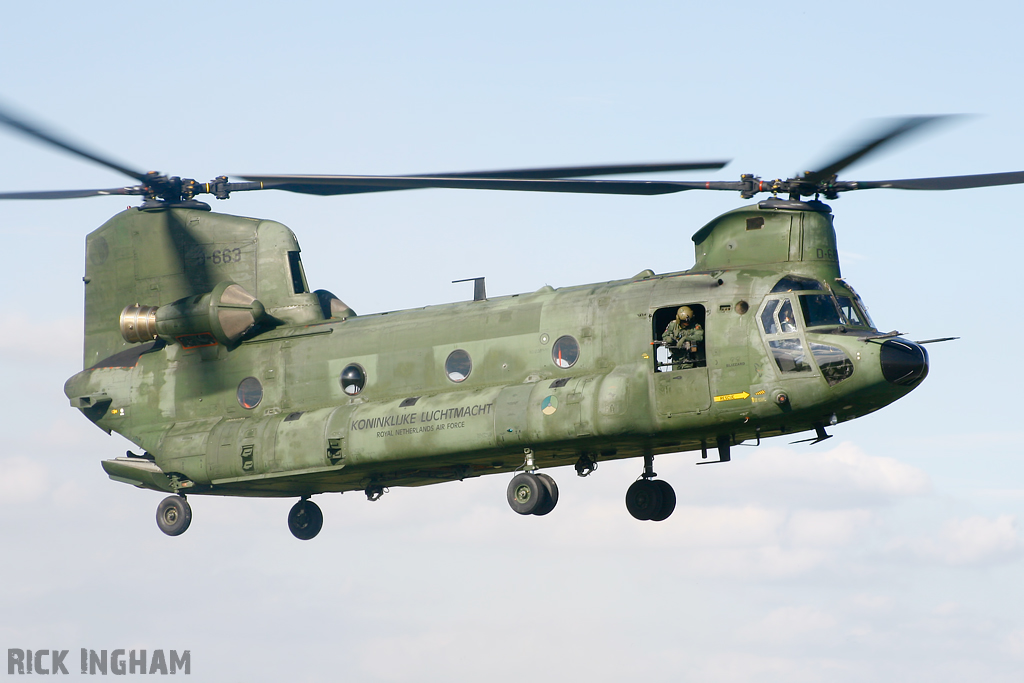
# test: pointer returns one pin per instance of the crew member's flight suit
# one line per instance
(683, 339)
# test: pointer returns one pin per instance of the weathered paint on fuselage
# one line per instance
(308, 436)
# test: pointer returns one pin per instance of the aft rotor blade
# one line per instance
(35, 132)
(896, 129)
(326, 185)
(953, 182)
(72, 194)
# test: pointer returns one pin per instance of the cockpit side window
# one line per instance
(787, 323)
(768, 322)
(780, 327)
(777, 317)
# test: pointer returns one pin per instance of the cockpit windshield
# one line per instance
(851, 313)
(836, 306)
(820, 309)
(851, 305)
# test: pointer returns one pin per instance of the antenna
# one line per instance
(479, 290)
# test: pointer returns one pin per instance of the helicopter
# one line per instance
(205, 347)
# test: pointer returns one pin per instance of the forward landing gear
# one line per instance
(648, 498)
(173, 515)
(530, 492)
(305, 519)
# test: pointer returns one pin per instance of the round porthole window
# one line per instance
(565, 352)
(353, 379)
(458, 366)
(250, 393)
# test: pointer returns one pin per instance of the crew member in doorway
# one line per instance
(683, 337)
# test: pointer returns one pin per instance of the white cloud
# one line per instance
(971, 541)
(41, 338)
(1013, 643)
(790, 624)
(21, 480)
(843, 477)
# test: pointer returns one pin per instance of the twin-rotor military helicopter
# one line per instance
(205, 347)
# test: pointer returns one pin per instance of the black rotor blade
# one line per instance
(33, 131)
(585, 171)
(953, 182)
(325, 188)
(887, 134)
(325, 185)
(72, 194)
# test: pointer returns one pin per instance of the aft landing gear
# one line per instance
(173, 515)
(530, 492)
(648, 498)
(305, 519)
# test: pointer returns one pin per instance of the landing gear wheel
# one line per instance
(173, 515)
(668, 501)
(550, 492)
(527, 493)
(643, 499)
(305, 520)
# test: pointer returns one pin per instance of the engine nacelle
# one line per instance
(223, 315)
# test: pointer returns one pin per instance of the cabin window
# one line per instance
(298, 275)
(250, 393)
(458, 366)
(565, 352)
(353, 379)
(679, 337)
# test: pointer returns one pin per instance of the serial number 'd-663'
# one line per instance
(217, 256)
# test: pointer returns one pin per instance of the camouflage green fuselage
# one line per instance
(411, 424)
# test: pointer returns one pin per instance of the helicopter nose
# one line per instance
(903, 362)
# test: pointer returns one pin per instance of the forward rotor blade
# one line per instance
(953, 182)
(72, 194)
(329, 185)
(896, 129)
(324, 187)
(35, 132)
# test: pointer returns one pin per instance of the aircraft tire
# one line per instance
(526, 493)
(668, 501)
(173, 515)
(643, 499)
(551, 491)
(305, 520)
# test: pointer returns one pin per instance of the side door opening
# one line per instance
(679, 360)
(679, 338)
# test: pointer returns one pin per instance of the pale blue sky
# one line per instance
(891, 552)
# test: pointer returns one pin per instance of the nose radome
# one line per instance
(903, 362)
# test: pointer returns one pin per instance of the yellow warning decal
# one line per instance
(731, 397)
